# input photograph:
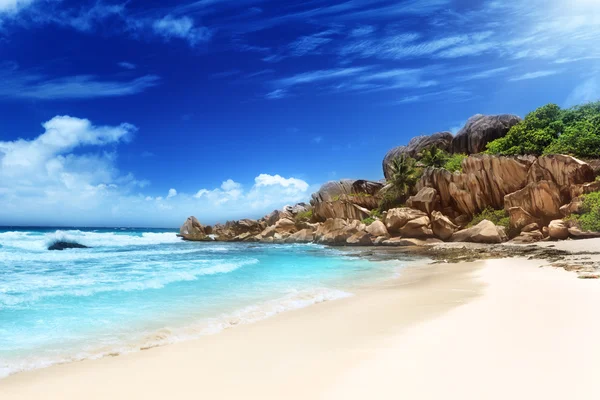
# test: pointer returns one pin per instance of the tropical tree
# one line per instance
(404, 177)
(434, 157)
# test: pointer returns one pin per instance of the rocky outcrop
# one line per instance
(483, 232)
(480, 130)
(347, 199)
(519, 218)
(377, 229)
(441, 226)
(336, 231)
(558, 230)
(303, 236)
(426, 200)
(193, 230)
(408, 222)
(565, 171)
(441, 140)
(484, 183)
(343, 208)
(541, 200)
(64, 245)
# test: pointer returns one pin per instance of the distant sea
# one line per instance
(139, 288)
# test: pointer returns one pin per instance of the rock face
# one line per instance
(346, 199)
(558, 230)
(193, 230)
(564, 171)
(426, 200)
(480, 130)
(541, 200)
(441, 225)
(442, 140)
(484, 183)
(408, 222)
(483, 232)
(377, 229)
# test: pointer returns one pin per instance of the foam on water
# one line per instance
(136, 289)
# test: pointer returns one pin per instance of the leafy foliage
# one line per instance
(304, 216)
(498, 217)
(434, 157)
(550, 130)
(454, 162)
(589, 215)
(532, 135)
(405, 175)
(368, 221)
(376, 213)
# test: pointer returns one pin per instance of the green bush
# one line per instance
(368, 221)
(391, 199)
(532, 135)
(589, 215)
(376, 213)
(433, 157)
(498, 217)
(304, 216)
(550, 130)
(454, 162)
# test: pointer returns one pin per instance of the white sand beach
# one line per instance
(498, 329)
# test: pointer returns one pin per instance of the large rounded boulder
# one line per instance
(441, 140)
(480, 130)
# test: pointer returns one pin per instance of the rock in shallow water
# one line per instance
(66, 245)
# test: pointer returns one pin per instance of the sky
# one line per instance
(141, 113)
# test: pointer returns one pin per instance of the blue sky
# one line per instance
(140, 113)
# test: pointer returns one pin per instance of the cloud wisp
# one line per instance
(31, 85)
(68, 175)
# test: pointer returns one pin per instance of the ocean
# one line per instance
(138, 288)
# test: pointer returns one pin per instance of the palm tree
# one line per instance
(405, 174)
(434, 157)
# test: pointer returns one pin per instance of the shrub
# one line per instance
(434, 157)
(498, 217)
(550, 130)
(304, 216)
(532, 135)
(376, 213)
(391, 199)
(589, 215)
(368, 221)
(454, 162)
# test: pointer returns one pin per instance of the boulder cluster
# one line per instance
(536, 192)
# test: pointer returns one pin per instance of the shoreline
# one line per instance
(338, 341)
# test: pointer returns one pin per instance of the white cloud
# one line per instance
(23, 84)
(534, 75)
(127, 65)
(12, 6)
(170, 27)
(68, 175)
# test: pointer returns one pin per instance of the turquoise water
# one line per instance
(136, 289)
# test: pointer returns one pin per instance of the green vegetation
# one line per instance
(304, 216)
(360, 194)
(454, 162)
(368, 221)
(434, 157)
(589, 215)
(552, 130)
(376, 213)
(498, 217)
(405, 175)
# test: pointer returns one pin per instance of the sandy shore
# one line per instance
(501, 329)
